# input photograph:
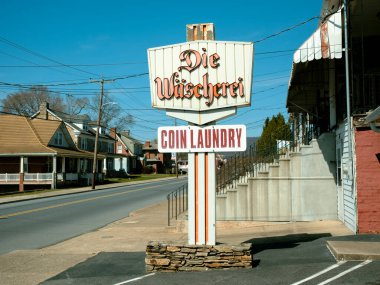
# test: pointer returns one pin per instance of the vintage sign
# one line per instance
(201, 75)
(218, 138)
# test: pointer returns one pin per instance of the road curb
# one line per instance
(86, 190)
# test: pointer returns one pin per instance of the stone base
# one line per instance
(170, 258)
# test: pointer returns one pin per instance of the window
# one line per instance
(58, 138)
(110, 148)
(119, 149)
(83, 143)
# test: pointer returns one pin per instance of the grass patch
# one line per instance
(139, 177)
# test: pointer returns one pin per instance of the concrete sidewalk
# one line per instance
(68, 191)
(134, 232)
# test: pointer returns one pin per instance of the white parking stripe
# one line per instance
(345, 272)
(134, 279)
(320, 273)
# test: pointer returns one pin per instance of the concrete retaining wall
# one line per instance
(299, 188)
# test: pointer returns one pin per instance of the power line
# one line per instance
(4, 40)
(286, 30)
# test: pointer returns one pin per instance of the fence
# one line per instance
(9, 177)
(238, 168)
(177, 202)
(38, 177)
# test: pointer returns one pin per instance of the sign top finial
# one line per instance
(196, 32)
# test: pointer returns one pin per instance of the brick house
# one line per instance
(130, 149)
(160, 162)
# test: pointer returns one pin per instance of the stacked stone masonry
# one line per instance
(170, 258)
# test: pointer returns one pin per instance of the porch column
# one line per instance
(105, 165)
(78, 165)
(54, 173)
(21, 182)
(64, 169)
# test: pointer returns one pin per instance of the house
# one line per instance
(83, 131)
(159, 162)
(326, 96)
(130, 148)
(36, 152)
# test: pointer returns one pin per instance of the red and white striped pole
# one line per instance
(201, 213)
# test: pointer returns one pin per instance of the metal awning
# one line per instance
(309, 68)
(325, 42)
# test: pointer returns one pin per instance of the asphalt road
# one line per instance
(292, 260)
(42, 222)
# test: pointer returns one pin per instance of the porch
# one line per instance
(57, 171)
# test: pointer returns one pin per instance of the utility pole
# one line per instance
(95, 164)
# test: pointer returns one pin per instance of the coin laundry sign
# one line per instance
(201, 75)
(224, 138)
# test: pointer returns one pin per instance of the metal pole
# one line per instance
(176, 160)
(168, 197)
(347, 84)
(94, 165)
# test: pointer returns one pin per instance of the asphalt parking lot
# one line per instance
(292, 259)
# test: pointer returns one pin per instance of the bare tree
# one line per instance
(27, 102)
(112, 113)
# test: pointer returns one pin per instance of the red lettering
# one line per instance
(213, 60)
(189, 91)
(216, 90)
(200, 139)
(215, 135)
(231, 138)
(186, 56)
(192, 139)
(208, 138)
(233, 87)
(171, 139)
(196, 92)
(183, 139)
(223, 138)
(238, 134)
(241, 87)
(163, 141)
(225, 85)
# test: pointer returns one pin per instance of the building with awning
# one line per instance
(318, 103)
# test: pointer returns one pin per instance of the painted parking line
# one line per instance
(134, 279)
(320, 273)
(345, 272)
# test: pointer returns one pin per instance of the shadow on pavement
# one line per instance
(281, 242)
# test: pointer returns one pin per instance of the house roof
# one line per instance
(17, 136)
(22, 136)
(45, 129)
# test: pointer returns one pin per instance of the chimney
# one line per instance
(44, 106)
(113, 133)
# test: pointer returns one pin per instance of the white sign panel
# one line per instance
(218, 138)
(201, 75)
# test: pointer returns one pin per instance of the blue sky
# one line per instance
(111, 38)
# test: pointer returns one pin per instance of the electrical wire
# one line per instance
(20, 47)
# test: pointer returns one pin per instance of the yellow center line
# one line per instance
(71, 203)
